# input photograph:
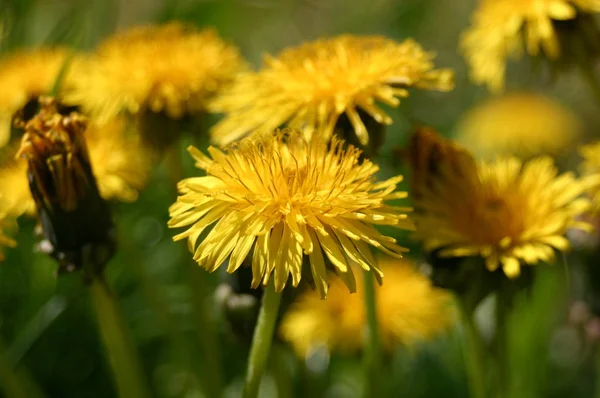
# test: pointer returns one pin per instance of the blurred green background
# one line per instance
(48, 331)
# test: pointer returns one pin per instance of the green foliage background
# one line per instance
(48, 332)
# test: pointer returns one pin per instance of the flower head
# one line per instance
(312, 86)
(409, 310)
(75, 219)
(25, 75)
(286, 197)
(507, 211)
(171, 68)
(522, 124)
(501, 28)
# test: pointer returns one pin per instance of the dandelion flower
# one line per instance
(522, 124)
(286, 197)
(119, 162)
(172, 69)
(507, 211)
(5, 240)
(313, 86)
(503, 29)
(25, 75)
(410, 310)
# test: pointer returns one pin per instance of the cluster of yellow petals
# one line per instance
(309, 87)
(507, 211)
(286, 197)
(119, 162)
(25, 75)
(409, 310)
(524, 124)
(502, 29)
(172, 68)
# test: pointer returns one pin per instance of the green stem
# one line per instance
(373, 347)
(501, 347)
(474, 353)
(597, 381)
(261, 341)
(14, 383)
(207, 333)
(122, 354)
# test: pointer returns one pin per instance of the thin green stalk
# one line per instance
(474, 353)
(207, 332)
(373, 347)
(121, 351)
(14, 383)
(212, 378)
(597, 381)
(262, 339)
(501, 346)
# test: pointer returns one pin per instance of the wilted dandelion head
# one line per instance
(522, 124)
(503, 29)
(311, 86)
(120, 165)
(5, 241)
(75, 219)
(507, 211)
(286, 197)
(24, 75)
(171, 68)
(409, 310)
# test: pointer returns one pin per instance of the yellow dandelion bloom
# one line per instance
(24, 75)
(591, 167)
(5, 240)
(119, 163)
(521, 123)
(312, 86)
(409, 310)
(507, 211)
(171, 68)
(287, 197)
(15, 196)
(501, 28)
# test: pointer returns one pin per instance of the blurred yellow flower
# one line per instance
(171, 68)
(507, 211)
(591, 167)
(24, 75)
(311, 86)
(119, 162)
(409, 310)
(502, 28)
(287, 197)
(5, 240)
(522, 124)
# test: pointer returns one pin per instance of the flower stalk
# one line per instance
(372, 361)
(262, 339)
(118, 343)
(474, 353)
